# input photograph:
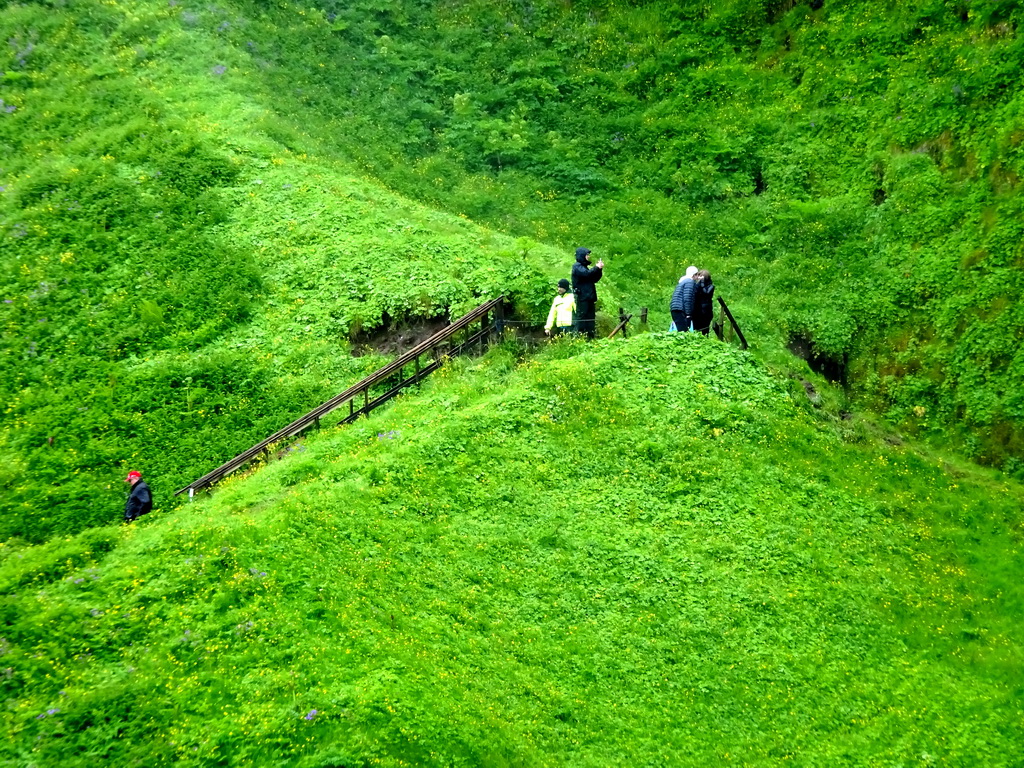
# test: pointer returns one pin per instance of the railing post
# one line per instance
(499, 317)
(484, 333)
(735, 325)
(622, 320)
(620, 327)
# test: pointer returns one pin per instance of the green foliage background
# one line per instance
(165, 163)
(643, 553)
(850, 173)
(176, 287)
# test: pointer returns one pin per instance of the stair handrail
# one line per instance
(313, 416)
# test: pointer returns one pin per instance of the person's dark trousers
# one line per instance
(586, 312)
(706, 329)
(679, 318)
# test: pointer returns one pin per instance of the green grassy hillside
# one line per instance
(629, 553)
(179, 199)
(176, 282)
(650, 551)
(849, 172)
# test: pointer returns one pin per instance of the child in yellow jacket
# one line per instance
(562, 317)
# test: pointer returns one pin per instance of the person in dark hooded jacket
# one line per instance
(584, 281)
(140, 500)
(703, 306)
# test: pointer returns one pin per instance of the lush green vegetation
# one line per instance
(177, 193)
(640, 553)
(643, 552)
(175, 289)
(850, 174)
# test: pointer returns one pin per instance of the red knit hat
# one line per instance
(133, 474)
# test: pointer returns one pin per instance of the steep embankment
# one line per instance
(181, 271)
(850, 174)
(639, 552)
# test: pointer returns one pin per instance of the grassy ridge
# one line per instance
(645, 552)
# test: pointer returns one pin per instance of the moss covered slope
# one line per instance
(644, 552)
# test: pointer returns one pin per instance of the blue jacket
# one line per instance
(682, 297)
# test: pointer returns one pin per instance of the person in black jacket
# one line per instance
(683, 302)
(703, 296)
(140, 500)
(584, 281)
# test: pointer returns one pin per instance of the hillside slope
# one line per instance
(178, 201)
(642, 552)
(849, 173)
(652, 551)
(178, 283)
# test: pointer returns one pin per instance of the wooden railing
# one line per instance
(394, 376)
(624, 318)
(720, 327)
(437, 348)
